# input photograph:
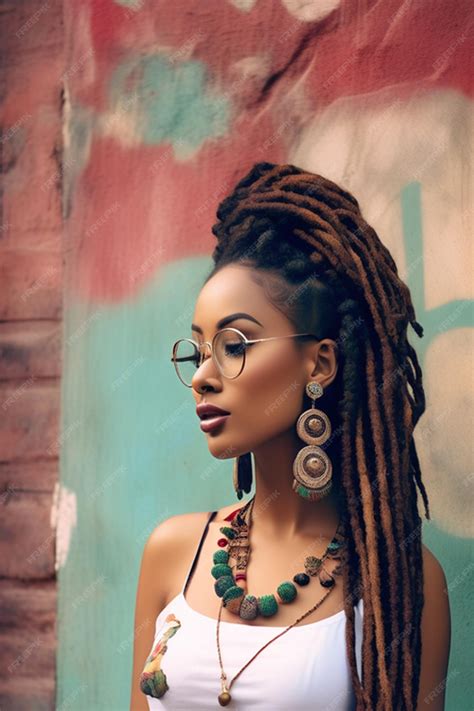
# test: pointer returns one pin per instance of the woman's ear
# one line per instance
(324, 361)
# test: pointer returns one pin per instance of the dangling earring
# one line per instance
(242, 474)
(312, 468)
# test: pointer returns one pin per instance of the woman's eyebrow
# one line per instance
(228, 319)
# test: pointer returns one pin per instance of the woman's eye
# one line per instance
(234, 349)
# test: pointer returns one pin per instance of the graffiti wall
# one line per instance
(167, 105)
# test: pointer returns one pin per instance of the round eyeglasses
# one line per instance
(228, 350)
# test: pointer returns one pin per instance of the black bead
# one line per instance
(301, 579)
(327, 583)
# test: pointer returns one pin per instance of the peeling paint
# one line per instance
(64, 520)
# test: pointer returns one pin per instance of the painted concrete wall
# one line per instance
(167, 105)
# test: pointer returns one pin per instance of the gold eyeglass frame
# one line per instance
(247, 342)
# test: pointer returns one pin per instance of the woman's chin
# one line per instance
(223, 450)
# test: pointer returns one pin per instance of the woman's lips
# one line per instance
(210, 423)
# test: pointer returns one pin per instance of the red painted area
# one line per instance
(166, 215)
(386, 44)
(161, 216)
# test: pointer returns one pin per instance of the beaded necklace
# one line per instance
(234, 597)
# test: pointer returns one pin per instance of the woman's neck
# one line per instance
(277, 507)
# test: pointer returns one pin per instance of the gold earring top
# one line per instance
(314, 389)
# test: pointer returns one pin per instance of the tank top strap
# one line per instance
(198, 550)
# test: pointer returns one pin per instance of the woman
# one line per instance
(317, 593)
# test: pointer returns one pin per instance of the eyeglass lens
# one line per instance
(229, 350)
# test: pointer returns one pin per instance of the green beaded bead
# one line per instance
(303, 491)
(267, 605)
(220, 569)
(228, 531)
(232, 593)
(220, 556)
(223, 583)
(287, 591)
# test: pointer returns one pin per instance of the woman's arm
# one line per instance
(150, 600)
(435, 636)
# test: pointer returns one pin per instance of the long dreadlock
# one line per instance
(336, 278)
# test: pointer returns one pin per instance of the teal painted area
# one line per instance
(135, 455)
(455, 554)
(175, 102)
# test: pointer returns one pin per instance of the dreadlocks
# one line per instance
(334, 277)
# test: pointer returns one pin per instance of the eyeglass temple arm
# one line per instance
(273, 338)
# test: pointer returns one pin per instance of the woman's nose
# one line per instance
(207, 375)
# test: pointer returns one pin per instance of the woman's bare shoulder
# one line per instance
(170, 547)
(435, 585)
(181, 528)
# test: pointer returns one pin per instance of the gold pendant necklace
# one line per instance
(225, 697)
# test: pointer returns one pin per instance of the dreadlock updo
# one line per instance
(306, 242)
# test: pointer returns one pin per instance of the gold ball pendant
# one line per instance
(224, 698)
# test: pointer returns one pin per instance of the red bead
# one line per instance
(222, 542)
(233, 514)
(240, 576)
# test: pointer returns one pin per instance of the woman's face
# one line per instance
(266, 399)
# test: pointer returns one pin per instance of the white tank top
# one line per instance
(306, 668)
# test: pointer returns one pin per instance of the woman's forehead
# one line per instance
(232, 294)
(230, 290)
